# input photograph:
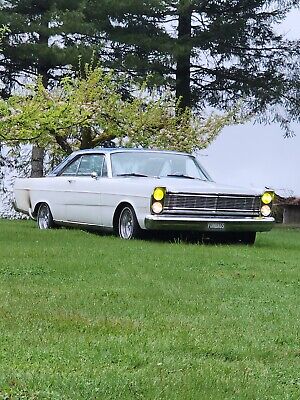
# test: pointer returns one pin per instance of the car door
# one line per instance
(84, 181)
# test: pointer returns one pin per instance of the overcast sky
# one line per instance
(258, 155)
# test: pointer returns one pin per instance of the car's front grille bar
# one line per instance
(217, 204)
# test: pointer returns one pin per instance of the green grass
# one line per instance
(84, 316)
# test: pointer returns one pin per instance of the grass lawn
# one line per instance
(84, 316)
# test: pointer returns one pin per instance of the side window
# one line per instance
(99, 165)
(92, 163)
(72, 168)
(86, 164)
(85, 167)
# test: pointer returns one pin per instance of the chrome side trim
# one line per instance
(83, 225)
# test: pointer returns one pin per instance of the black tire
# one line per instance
(44, 217)
(128, 226)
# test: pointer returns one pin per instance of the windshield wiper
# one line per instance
(133, 174)
(181, 176)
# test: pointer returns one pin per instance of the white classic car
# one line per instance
(131, 190)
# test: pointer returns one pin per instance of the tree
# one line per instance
(212, 52)
(86, 111)
(45, 39)
(3, 31)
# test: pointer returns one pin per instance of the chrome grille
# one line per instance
(216, 204)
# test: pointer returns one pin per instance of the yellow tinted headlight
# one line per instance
(159, 193)
(267, 197)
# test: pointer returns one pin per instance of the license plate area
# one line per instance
(216, 226)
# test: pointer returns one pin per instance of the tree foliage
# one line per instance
(85, 111)
(3, 31)
(45, 39)
(213, 52)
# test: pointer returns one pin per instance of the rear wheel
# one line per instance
(128, 226)
(44, 217)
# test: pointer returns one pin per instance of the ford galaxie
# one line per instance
(130, 190)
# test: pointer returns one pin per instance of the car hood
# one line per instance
(184, 185)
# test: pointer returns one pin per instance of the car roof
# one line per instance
(124, 149)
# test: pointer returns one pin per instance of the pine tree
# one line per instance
(45, 39)
(213, 52)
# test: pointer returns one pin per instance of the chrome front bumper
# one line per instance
(206, 224)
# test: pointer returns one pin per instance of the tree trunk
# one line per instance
(37, 162)
(183, 56)
(86, 142)
(38, 153)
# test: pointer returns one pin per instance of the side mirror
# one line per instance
(94, 175)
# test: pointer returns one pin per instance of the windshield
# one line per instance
(156, 165)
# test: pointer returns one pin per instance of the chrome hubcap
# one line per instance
(44, 217)
(126, 224)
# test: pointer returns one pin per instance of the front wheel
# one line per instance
(128, 226)
(44, 217)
